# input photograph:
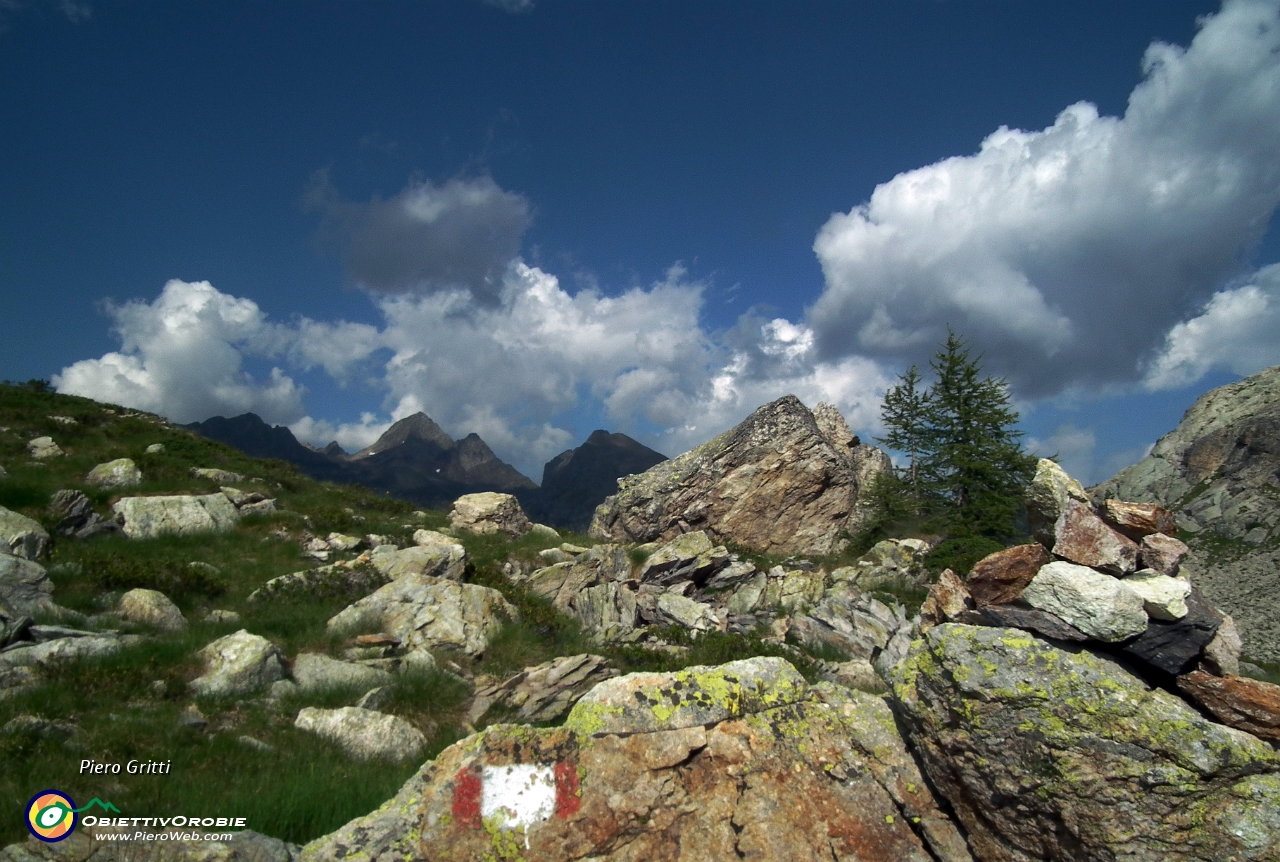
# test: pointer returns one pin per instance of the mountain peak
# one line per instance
(419, 426)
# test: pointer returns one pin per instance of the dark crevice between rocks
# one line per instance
(944, 804)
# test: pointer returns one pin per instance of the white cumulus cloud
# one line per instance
(1067, 254)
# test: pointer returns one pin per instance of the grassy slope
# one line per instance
(128, 706)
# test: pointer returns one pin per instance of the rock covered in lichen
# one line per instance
(821, 776)
(1046, 753)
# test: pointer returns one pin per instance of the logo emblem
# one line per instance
(51, 815)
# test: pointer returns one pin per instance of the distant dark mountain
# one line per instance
(414, 459)
(576, 481)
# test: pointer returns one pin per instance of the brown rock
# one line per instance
(1162, 553)
(1083, 538)
(947, 600)
(1136, 520)
(1245, 704)
(773, 484)
(827, 778)
(999, 578)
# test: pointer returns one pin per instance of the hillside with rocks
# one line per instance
(362, 680)
(1219, 472)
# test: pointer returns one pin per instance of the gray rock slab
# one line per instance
(363, 733)
(240, 663)
(149, 517)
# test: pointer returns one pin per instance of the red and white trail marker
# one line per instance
(517, 795)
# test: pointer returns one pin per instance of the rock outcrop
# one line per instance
(238, 664)
(736, 769)
(20, 536)
(545, 692)
(25, 588)
(488, 513)
(1045, 753)
(773, 484)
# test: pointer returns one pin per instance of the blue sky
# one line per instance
(530, 220)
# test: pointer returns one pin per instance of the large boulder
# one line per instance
(149, 517)
(1246, 704)
(426, 613)
(25, 587)
(1046, 753)
(22, 537)
(489, 512)
(238, 664)
(807, 775)
(120, 473)
(41, 448)
(688, 557)
(315, 672)
(363, 733)
(773, 484)
(436, 560)
(76, 515)
(1084, 538)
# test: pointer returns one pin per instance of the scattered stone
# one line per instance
(38, 727)
(888, 563)
(1163, 597)
(443, 560)
(325, 582)
(856, 673)
(120, 473)
(1162, 553)
(542, 531)
(1174, 647)
(150, 517)
(675, 609)
(848, 622)
(24, 586)
(65, 421)
(76, 516)
(66, 650)
(155, 449)
(20, 536)
(339, 542)
(221, 477)
(947, 600)
(695, 696)
(1084, 538)
(375, 698)
(1047, 497)
(1245, 704)
(256, 744)
(43, 447)
(608, 611)
(240, 663)
(427, 613)
(489, 512)
(1022, 737)
(1137, 520)
(689, 557)
(793, 590)
(364, 734)
(546, 692)
(773, 484)
(314, 672)
(1098, 605)
(152, 608)
(1222, 655)
(551, 556)
(262, 507)
(999, 578)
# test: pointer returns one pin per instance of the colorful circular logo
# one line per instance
(51, 815)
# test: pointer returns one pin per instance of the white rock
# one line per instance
(44, 447)
(679, 610)
(149, 517)
(439, 561)
(222, 477)
(61, 651)
(155, 448)
(152, 608)
(262, 507)
(489, 512)
(240, 663)
(1223, 652)
(363, 733)
(339, 542)
(120, 473)
(1098, 605)
(542, 531)
(1163, 597)
(426, 613)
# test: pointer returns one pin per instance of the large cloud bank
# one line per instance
(1097, 254)
(1068, 253)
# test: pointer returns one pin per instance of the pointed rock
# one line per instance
(999, 578)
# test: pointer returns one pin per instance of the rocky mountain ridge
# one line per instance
(416, 460)
(1218, 471)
